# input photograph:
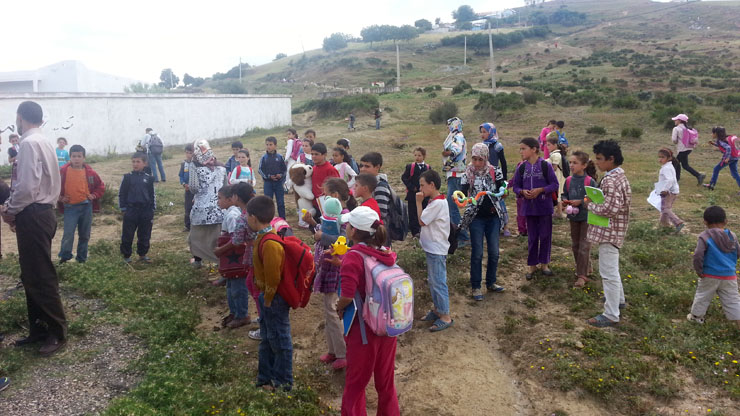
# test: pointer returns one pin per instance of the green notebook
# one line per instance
(596, 196)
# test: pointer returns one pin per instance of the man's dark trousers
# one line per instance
(35, 228)
(188, 207)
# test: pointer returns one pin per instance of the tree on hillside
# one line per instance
(190, 81)
(231, 73)
(143, 88)
(280, 56)
(168, 79)
(335, 42)
(371, 34)
(464, 13)
(423, 25)
(437, 21)
(407, 32)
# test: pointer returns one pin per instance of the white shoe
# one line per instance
(693, 318)
(255, 335)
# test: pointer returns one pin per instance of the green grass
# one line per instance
(183, 371)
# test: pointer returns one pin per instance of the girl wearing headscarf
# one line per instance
(483, 218)
(206, 217)
(496, 157)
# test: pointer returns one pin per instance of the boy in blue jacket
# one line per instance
(136, 201)
(273, 169)
(715, 261)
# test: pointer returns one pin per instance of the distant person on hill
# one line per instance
(684, 147)
(551, 125)
(377, 114)
(715, 259)
(351, 119)
(79, 198)
(730, 148)
(154, 148)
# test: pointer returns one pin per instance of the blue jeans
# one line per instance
(76, 217)
(276, 188)
(276, 348)
(453, 184)
(237, 296)
(733, 172)
(155, 162)
(377, 124)
(480, 227)
(437, 276)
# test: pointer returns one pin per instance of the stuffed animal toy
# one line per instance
(331, 217)
(300, 175)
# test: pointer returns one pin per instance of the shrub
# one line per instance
(443, 112)
(598, 130)
(499, 102)
(428, 89)
(530, 97)
(437, 87)
(432, 95)
(730, 102)
(633, 132)
(527, 78)
(460, 87)
(419, 90)
(626, 101)
(335, 107)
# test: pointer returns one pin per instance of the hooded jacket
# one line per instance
(716, 254)
(94, 184)
(352, 272)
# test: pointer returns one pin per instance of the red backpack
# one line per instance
(231, 264)
(734, 143)
(298, 269)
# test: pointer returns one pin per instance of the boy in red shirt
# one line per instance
(80, 196)
(321, 170)
(365, 184)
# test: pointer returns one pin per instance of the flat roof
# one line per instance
(125, 95)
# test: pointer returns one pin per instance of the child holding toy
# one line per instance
(668, 189)
(583, 173)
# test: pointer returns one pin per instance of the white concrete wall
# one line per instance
(114, 123)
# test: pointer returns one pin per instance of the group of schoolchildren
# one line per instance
(230, 225)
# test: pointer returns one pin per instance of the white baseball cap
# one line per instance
(363, 218)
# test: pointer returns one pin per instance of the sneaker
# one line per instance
(709, 186)
(226, 319)
(221, 281)
(494, 288)
(701, 178)
(339, 364)
(507, 233)
(127, 260)
(4, 383)
(196, 264)
(186, 230)
(255, 335)
(327, 358)
(692, 318)
(145, 259)
(477, 295)
(679, 227)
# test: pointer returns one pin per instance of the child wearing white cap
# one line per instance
(684, 148)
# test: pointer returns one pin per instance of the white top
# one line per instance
(231, 215)
(434, 235)
(667, 179)
(246, 174)
(347, 173)
(677, 138)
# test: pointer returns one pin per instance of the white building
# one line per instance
(65, 76)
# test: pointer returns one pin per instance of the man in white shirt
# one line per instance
(29, 212)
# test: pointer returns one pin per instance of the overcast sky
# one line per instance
(138, 38)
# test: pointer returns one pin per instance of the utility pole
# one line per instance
(398, 67)
(490, 48)
(465, 56)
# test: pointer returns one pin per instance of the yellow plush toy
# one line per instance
(339, 248)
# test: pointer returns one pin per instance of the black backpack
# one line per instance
(564, 166)
(155, 145)
(398, 216)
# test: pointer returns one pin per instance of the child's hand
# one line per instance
(565, 203)
(586, 200)
(91, 197)
(576, 203)
(419, 198)
(307, 217)
(334, 261)
(664, 193)
(64, 199)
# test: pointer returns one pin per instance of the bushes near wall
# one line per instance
(443, 112)
(340, 107)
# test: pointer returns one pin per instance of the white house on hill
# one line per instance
(65, 76)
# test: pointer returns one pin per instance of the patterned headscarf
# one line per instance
(204, 154)
(455, 124)
(492, 133)
(479, 150)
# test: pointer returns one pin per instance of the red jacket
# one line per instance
(94, 184)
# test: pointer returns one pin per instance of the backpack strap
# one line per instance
(543, 166)
(567, 183)
(413, 165)
(358, 308)
(268, 237)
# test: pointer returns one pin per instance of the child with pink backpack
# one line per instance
(730, 147)
(685, 138)
(382, 295)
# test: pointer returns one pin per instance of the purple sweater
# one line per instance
(534, 178)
